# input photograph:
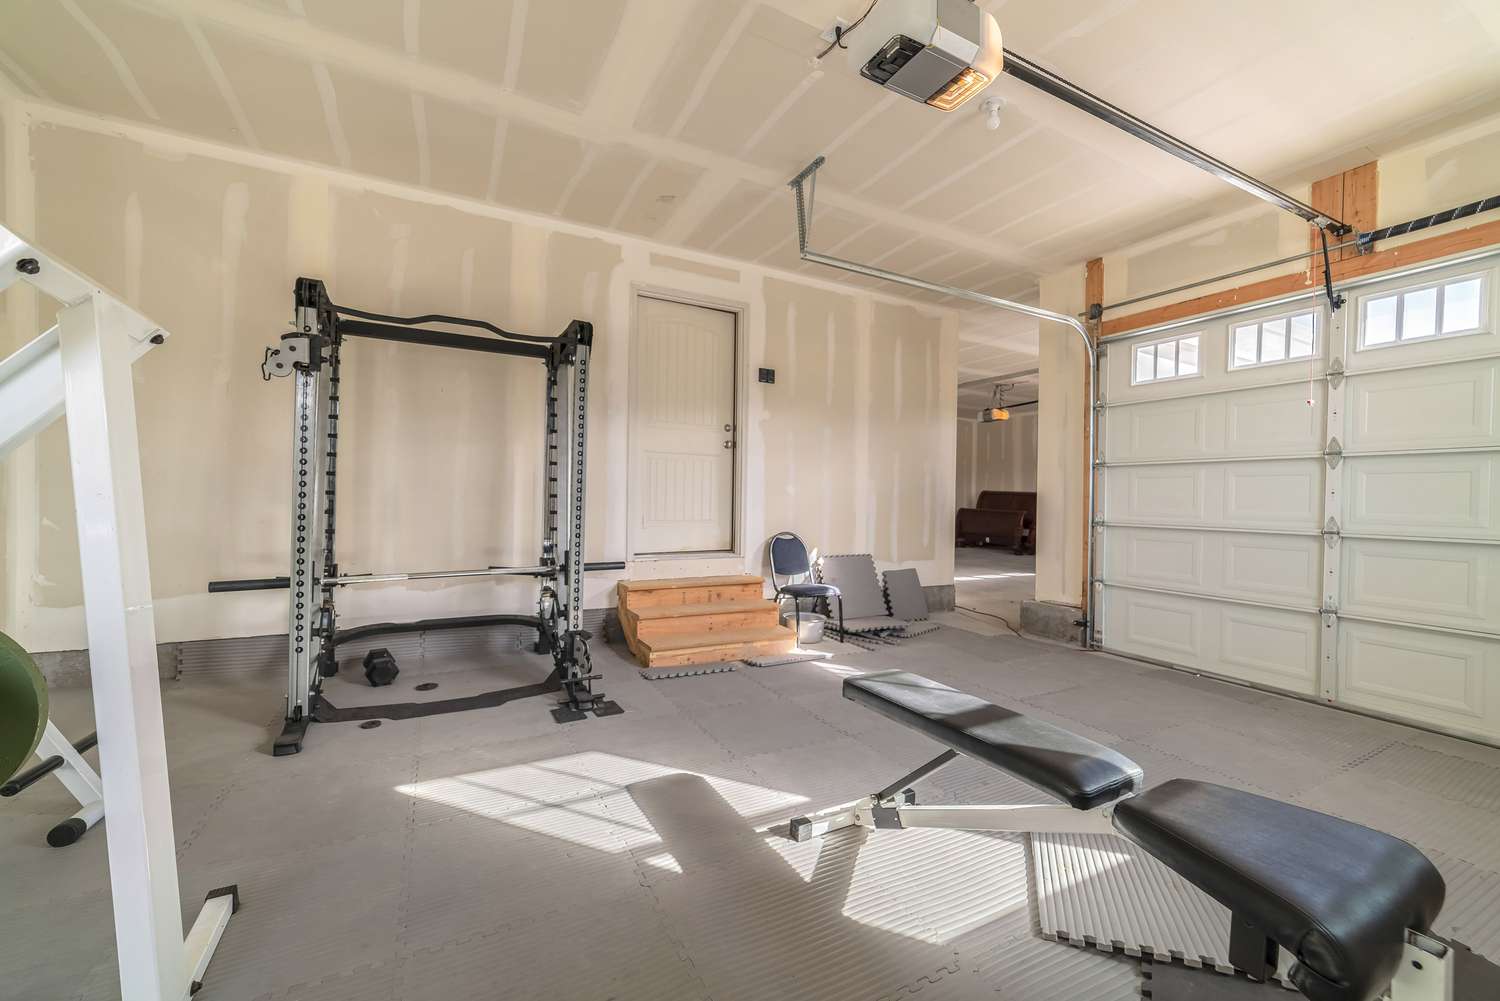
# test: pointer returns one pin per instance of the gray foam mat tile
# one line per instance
(557, 955)
(457, 870)
(904, 595)
(687, 670)
(856, 580)
(1023, 967)
(1271, 768)
(1437, 774)
(873, 624)
(1170, 982)
(306, 915)
(1099, 891)
(1471, 913)
(919, 629)
(1430, 822)
(782, 659)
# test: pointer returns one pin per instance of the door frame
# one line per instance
(740, 311)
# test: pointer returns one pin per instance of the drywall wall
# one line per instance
(850, 447)
(1436, 173)
(1061, 432)
(996, 456)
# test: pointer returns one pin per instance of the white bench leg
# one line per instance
(1426, 970)
(203, 938)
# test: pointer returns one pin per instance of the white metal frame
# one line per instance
(1427, 966)
(76, 775)
(82, 367)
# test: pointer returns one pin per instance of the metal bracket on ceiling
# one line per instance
(1333, 453)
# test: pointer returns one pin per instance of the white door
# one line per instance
(683, 437)
(1311, 501)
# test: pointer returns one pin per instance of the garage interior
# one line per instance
(487, 484)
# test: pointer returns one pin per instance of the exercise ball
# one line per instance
(23, 706)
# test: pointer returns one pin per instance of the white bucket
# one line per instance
(812, 624)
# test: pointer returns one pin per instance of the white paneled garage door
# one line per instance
(1311, 502)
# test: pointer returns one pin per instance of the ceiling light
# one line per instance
(996, 411)
(992, 109)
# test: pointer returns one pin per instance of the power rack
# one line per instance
(311, 354)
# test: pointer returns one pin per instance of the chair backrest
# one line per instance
(788, 557)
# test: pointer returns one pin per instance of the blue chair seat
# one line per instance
(809, 590)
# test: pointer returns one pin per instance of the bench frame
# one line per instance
(895, 806)
(1427, 967)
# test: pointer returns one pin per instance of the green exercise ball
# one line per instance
(23, 706)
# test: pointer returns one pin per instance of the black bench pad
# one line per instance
(1076, 770)
(1334, 894)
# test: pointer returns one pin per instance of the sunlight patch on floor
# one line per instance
(584, 798)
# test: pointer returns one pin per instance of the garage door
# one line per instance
(1310, 502)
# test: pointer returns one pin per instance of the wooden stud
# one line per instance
(1456, 242)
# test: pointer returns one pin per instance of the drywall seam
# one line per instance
(319, 45)
(115, 58)
(330, 100)
(221, 80)
(711, 69)
(176, 143)
(515, 42)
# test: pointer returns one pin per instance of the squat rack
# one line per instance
(311, 353)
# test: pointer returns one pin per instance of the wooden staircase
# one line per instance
(700, 620)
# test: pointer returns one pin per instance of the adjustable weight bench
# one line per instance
(1351, 906)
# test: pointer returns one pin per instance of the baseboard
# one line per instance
(252, 654)
(940, 597)
(1052, 621)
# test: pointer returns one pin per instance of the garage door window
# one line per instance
(1277, 339)
(1450, 309)
(1174, 359)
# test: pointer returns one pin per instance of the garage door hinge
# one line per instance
(1330, 608)
(1336, 373)
(1331, 532)
(1334, 453)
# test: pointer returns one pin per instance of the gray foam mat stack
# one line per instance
(866, 613)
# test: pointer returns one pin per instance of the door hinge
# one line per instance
(1331, 532)
(1333, 452)
(1336, 373)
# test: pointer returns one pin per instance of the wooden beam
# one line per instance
(1456, 242)
(1327, 196)
(1093, 292)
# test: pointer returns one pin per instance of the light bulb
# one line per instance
(992, 109)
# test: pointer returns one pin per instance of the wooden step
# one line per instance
(638, 594)
(710, 647)
(714, 617)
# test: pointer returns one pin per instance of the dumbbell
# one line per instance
(380, 667)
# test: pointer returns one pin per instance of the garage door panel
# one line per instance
(1274, 420)
(1439, 678)
(1272, 494)
(1456, 495)
(1265, 646)
(1280, 569)
(1445, 406)
(1437, 583)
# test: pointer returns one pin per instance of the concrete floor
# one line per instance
(993, 581)
(494, 854)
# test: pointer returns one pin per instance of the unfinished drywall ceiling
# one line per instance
(681, 119)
